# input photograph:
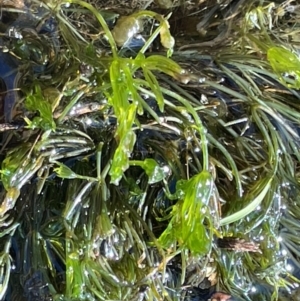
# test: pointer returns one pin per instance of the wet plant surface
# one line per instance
(149, 150)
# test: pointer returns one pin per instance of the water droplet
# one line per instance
(204, 99)
(289, 268)
(284, 252)
(88, 121)
(253, 289)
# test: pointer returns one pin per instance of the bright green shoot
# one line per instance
(126, 100)
(154, 172)
(188, 215)
(286, 65)
(37, 102)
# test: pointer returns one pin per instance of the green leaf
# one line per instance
(75, 287)
(261, 190)
(153, 171)
(127, 140)
(283, 60)
(155, 87)
(188, 215)
(170, 235)
(36, 102)
(163, 64)
(119, 99)
(197, 192)
(286, 64)
(10, 165)
(130, 82)
(65, 172)
(120, 161)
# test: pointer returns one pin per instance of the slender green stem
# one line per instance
(102, 22)
(71, 104)
(231, 162)
(98, 156)
(199, 125)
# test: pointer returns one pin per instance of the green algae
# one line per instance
(168, 153)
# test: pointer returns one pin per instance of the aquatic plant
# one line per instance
(136, 175)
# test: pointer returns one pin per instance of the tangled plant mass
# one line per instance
(149, 151)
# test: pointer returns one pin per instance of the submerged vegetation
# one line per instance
(149, 152)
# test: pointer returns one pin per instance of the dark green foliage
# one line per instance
(131, 164)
